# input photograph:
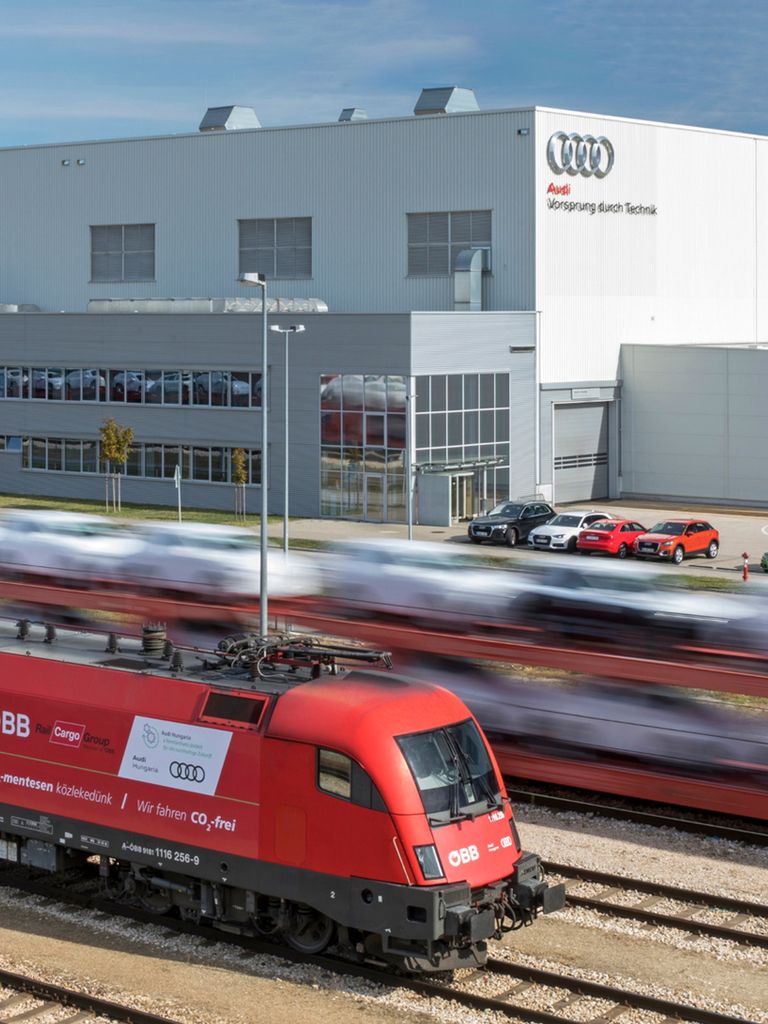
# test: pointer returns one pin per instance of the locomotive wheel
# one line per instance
(155, 902)
(310, 931)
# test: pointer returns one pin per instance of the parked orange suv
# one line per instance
(676, 539)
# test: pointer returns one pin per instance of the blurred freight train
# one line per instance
(262, 789)
(621, 607)
(603, 720)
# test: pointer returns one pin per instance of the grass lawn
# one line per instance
(130, 511)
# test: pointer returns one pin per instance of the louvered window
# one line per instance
(436, 239)
(123, 252)
(278, 247)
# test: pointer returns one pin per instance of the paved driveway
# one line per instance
(740, 530)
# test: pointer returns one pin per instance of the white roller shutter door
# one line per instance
(581, 452)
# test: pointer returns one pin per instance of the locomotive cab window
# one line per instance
(340, 776)
(452, 771)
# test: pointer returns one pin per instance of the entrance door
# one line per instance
(374, 497)
(462, 497)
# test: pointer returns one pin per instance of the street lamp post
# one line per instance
(260, 281)
(293, 329)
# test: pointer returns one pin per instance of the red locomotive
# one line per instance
(263, 791)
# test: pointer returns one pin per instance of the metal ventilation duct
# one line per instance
(234, 305)
(468, 279)
(353, 114)
(228, 119)
(448, 100)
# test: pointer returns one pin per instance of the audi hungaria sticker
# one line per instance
(172, 754)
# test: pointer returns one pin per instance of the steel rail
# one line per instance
(754, 837)
(82, 1001)
(700, 901)
(620, 997)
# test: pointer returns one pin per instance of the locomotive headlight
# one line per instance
(429, 862)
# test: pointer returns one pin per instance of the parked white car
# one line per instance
(426, 583)
(562, 532)
(65, 546)
(207, 559)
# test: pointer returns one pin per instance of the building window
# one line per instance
(148, 459)
(123, 252)
(362, 446)
(436, 239)
(278, 247)
(465, 418)
(232, 388)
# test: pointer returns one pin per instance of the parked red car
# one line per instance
(676, 539)
(610, 537)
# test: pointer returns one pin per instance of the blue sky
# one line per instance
(87, 69)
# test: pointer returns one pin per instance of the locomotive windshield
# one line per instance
(452, 771)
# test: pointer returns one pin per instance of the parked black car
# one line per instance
(510, 522)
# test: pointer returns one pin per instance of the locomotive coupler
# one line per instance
(530, 894)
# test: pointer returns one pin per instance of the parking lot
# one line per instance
(740, 530)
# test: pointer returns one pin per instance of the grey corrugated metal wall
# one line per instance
(356, 180)
(695, 422)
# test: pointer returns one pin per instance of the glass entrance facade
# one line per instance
(362, 446)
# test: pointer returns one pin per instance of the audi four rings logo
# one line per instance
(188, 772)
(580, 154)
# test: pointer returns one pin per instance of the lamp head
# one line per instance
(254, 280)
(293, 329)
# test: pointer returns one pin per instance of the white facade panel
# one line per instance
(611, 274)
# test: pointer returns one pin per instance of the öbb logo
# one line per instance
(14, 724)
(463, 856)
(67, 734)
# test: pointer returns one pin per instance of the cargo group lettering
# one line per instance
(161, 810)
(574, 206)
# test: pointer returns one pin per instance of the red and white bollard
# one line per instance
(745, 569)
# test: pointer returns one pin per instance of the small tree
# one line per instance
(116, 444)
(239, 479)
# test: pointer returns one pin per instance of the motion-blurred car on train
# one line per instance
(629, 607)
(601, 719)
(193, 560)
(419, 581)
(65, 547)
(212, 561)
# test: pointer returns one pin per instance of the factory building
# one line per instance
(496, 303)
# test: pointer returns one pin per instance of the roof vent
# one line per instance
(449, 100)
(353, 114)
(228, 119)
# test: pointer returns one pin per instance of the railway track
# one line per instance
(27, 998)
(512, 989)
(755, 835)
(656, 904)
